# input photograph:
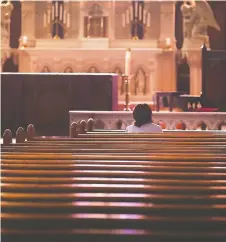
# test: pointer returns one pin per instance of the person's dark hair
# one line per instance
(142, 114)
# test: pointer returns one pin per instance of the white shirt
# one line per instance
(146, 128)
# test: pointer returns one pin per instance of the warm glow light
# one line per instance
(24, 41)
(168, 42)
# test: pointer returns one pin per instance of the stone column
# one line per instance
(111, 21)
(195, 61)
(28, 22)
(166, 72)
(71, 14)
(167, 23)
(49, 28)
(81, 21)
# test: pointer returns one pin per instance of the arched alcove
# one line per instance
(93, 69)
(45, 69)
(68, 69)
(139, 82)
(183, 76)
(95, 22)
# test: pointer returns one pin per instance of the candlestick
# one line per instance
(127, 62)
(126, 80)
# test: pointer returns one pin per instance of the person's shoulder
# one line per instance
(157, 127)
(129, 128)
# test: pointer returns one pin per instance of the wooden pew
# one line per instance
(139, 143)
(99, 196)
(181, 202)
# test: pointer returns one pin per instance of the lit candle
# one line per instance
(24, 41)
(149, 20)
(127, 62)
(168, 42)
(45, 20)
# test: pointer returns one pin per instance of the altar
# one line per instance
(45, 99)
(168, 120)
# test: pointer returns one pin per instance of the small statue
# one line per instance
(197, 16)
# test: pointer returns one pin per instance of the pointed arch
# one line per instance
(95, 22)
(68, 69)
(140, 82)
(95, 10)
(45, 69)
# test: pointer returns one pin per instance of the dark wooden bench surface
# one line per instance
(134, 157)
(214, 149)
(51, 193)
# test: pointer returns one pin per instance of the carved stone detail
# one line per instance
(191, 120)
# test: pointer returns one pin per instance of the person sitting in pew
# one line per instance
(142, 115)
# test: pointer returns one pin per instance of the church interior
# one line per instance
(46, 45)
(72, 74)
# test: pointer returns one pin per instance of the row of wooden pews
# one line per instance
(98, 186)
